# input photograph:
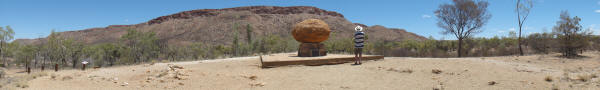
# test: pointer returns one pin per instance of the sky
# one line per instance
(37, 18)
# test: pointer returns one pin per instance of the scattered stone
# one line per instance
(492, 83)
(161, 74)
(344, 87)
(436, 71)
(149, 78)
(257, 84)
(173, 67)
(400, 71)
(438, 87)
(180, 83)
(53, 76)
(96, 67)
(124, 84)
(548, 78)
(251, 77)
(554, 87)
(67, 78)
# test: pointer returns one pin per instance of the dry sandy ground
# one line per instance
(533, 72)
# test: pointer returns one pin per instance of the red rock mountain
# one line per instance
(216, 26)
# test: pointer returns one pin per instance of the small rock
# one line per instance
(344, 87)
(124, 84)
(492, 83)
(438, 87)
(436, 71)
(257, 84)
(67, 78)
(180, 83)
(149, 78)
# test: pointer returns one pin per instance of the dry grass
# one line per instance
(21, 82)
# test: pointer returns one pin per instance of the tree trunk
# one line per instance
(27, 67)
(519, 41)
(43, 63)
(74, 59)
(3, 60)
(460, 40)
(56, 67)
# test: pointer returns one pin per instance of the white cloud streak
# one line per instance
(426, 16)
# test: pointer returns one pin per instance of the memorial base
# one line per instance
(311, 50)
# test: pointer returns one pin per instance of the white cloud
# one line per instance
(595, 29)
(426, 16)
(529, 33)
(511, 29)
(501, 31)
(126, 20)
(597, 11)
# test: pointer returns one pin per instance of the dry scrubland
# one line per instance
(534, 72)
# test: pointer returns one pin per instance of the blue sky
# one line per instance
(36, 18)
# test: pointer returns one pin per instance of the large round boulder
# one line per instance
(311, 31)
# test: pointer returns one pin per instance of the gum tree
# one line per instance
(462, 19)
(522, 9)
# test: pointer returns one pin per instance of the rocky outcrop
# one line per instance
(253, 9)
(215, 26)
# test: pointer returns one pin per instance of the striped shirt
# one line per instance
(359, 39)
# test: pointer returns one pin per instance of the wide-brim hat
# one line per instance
(358, 28)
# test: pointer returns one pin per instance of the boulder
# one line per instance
(311, 31)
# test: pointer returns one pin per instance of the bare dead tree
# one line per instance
(462, 19)
(523, 8)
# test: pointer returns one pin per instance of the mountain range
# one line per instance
(217, 26)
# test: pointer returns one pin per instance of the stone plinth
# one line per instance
(311, 50)
(284, 59)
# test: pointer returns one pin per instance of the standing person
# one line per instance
(359, 39)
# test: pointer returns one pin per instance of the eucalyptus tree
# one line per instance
(462, 19)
